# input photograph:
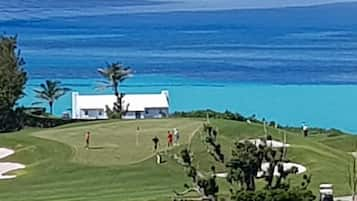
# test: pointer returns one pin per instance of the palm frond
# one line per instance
(37, 103)
(50, 91)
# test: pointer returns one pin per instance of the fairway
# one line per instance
(59, 168)
(115, 143)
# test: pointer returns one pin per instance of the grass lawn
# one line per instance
(59, 168)
(114, 143)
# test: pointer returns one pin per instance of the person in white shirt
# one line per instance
(305, 130)
(177, 136)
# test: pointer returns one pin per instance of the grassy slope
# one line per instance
(325, 163)
(51, 173)
(56, 171)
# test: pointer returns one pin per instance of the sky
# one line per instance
(39, 9)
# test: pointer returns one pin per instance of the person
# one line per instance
(137, 135)
(169, 138)
(158, 158)
(177, 136)
(305, 130)
(156, 143)
(87, 139)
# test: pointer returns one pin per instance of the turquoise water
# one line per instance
(328, 106)
(287, 64)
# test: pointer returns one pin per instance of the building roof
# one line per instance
(132, 102)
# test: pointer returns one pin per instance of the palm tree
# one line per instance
(115, 73)
(50, 91)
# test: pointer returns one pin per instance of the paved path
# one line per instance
(345, 198)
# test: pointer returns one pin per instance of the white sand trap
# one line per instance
(222, 175)
(269, 143)
(265, 166)
(8, 166)
(287, 166)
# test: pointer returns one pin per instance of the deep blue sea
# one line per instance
(289, 65)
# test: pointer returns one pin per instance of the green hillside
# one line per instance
(59, 168)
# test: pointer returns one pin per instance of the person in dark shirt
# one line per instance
(155, 140)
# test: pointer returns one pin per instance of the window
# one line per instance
(85, 112)
(100, 113)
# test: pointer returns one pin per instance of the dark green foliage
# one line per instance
(213, 114)
(209, 186)
(206, 187)
(329, 132)
(246, 162)
(269, 137)
(112, 114)
(12, 84)
(244, 165)
(50, 91)
(238, 117)
(186, 157)
(211, 140)
(114, 74)
(37, 121)
(11, 120)
(12, 75)
(247, 159)
(290, 194)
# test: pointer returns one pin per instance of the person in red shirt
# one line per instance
(170, 137)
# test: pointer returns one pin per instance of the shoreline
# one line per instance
(323, 106)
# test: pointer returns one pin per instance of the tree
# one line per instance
(246, 161)
(12, 83)
(51, 91)
(114, 74)
(205, 187)
(12, 75)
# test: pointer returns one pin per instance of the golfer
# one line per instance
(87, 139)
(156, 141)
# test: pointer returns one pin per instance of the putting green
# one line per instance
(115, 143)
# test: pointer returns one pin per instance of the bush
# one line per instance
(213, 114)
(38, 121)
(269, 137)
(296, 194)
(11, 120)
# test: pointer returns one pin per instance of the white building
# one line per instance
(138, 106)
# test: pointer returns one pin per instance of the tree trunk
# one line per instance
(51, 107)
(117, 106)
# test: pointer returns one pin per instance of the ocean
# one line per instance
(289, 65)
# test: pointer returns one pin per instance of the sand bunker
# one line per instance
(265, 166)
(287, 166)
(269, 143)
(8, 166)
(222, 175)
